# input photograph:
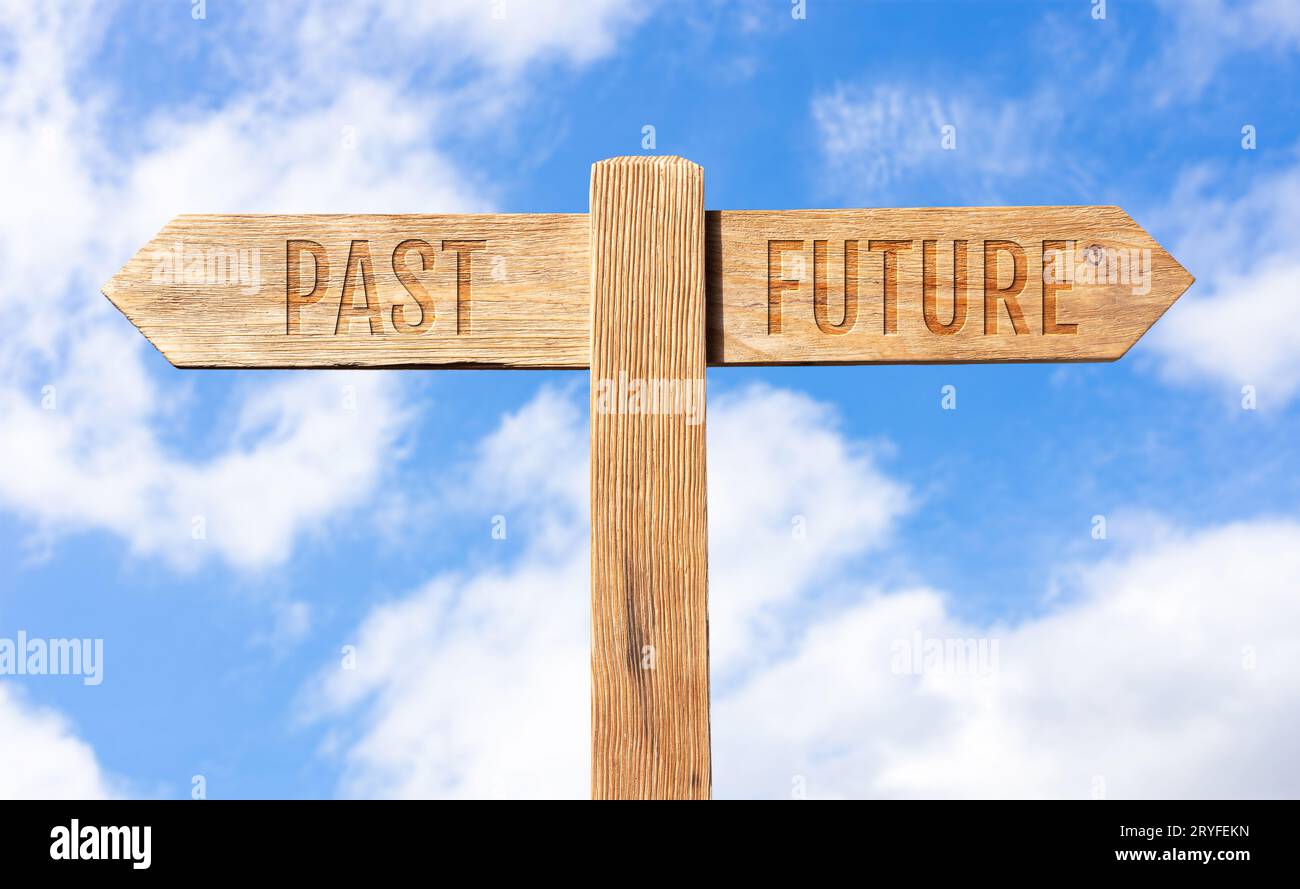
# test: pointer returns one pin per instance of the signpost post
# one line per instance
(646, 290)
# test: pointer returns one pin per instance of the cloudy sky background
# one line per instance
(1161, 661)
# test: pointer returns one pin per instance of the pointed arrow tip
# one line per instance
(109, 289)
(117, 290)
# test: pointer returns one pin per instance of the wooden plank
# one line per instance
(933, 285)
(649, 557)
(421, 291)
(514, 290)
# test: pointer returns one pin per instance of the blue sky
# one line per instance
(1160, 661)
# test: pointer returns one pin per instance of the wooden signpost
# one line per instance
(647, 290)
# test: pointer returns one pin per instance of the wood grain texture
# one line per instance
(649, 557)
(766, 266)
(784, 287)
(505, 290)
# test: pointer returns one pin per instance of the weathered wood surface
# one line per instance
(649, 555)
(506, 290)
(933, 285)
(784, 287)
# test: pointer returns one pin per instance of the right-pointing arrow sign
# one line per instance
(933, 285)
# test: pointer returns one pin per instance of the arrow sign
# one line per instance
(783, 287)
(363, 291)
(933, 285)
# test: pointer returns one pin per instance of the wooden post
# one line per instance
(649, 557)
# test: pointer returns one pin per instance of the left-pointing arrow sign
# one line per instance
(504, 290)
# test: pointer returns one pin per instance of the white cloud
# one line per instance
(880, 134)
(476, 685)
(872, 138)
(506, 35)
(293, 622)
(81, 443)
(1174, 672)
(309, 134)
(1240, 325)
(334, 125)
(822, 501)
(1168, 670)
(366, 149)
(472, 687)
(536, 458)
(1244, 331)
(1205, 33)
(515, 721)
(41, 757)
(294, 455)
